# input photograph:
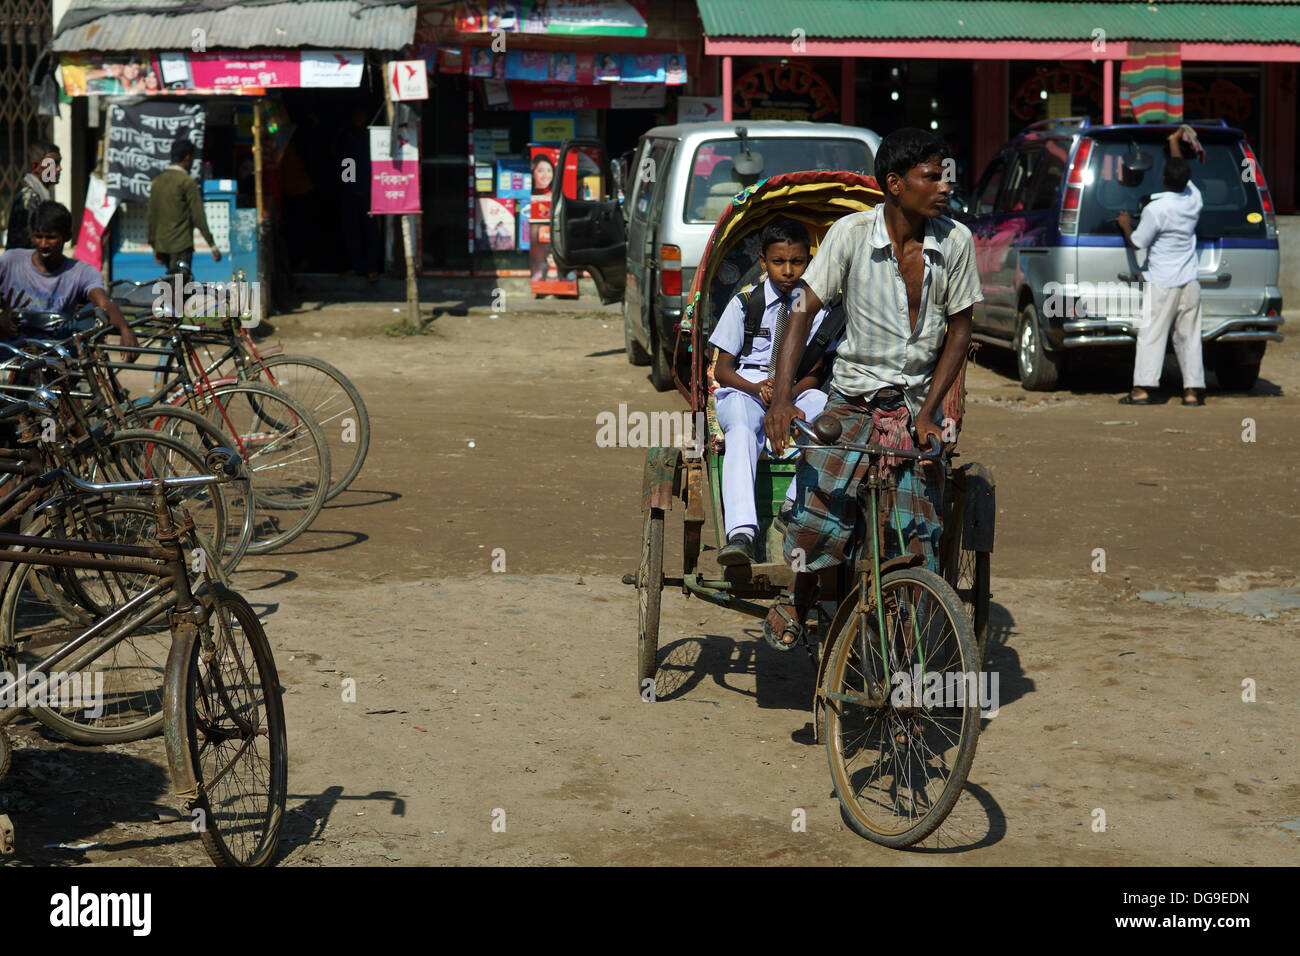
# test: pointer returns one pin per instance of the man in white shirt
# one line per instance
(910, 283)
(1172, 294)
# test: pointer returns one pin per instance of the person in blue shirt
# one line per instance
(744, 377)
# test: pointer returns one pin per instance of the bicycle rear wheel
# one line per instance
(285, 450)
(900, 715)
(334, 402)
(226, 719)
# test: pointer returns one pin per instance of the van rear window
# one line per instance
(1229, 199)
(714, 182)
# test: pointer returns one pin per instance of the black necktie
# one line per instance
(782, 319)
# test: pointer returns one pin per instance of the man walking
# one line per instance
(1173, 294)
(176, 210)
(43, 168)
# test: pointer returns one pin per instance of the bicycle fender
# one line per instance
(981, 506)
(661, 481)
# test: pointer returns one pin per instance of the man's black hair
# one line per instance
(51, 216)
(786, 230)
(904, 148)
(1177, 173)
(41, 148)
(182, 150)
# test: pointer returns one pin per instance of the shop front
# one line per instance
(508, 84)
(979, 81)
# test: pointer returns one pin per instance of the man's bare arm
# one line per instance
(955, 347)
(782, 410)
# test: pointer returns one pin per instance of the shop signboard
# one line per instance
(588, 17)
(271, 69)
(322, 69)
(407, 80)
(553, 127)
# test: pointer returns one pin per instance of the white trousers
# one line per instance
(740, 416)
(1179, 308)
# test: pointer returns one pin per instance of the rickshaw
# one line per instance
(877, 650)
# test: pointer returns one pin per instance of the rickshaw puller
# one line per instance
(909, 278)
(743, 373)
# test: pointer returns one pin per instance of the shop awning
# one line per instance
(1004, 28)
(129, 25)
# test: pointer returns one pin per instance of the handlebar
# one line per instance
(224, 462)
(826, 431)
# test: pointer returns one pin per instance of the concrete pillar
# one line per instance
(726, 89)
(990, 107)
(69, 139)
(1107, 92)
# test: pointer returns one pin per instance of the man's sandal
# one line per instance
(791, 626)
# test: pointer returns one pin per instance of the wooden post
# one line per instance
(408, 240)
(263, 247)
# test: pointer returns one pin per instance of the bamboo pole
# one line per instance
(408, 239)
(263, 247)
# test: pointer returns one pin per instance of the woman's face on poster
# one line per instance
(543, 174)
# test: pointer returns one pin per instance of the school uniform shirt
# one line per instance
(880, 348)
(1168, 227)
(729, 335)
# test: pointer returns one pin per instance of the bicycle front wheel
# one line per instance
(336, 405)
(225, 715)
(285, 449)
(902, 709)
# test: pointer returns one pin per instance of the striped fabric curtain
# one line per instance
(1151, 83)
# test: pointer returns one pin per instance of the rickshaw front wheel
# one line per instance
(649, 593)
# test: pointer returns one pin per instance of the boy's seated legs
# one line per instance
(741, 419)
(811, 403)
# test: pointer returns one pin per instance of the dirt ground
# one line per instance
(510, 698)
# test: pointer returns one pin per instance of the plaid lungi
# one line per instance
(826, 508)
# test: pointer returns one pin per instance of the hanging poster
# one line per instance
(140, 140)
(494, 223)
(394, 174)
(100, 207)
(530, 65)
(641, 68)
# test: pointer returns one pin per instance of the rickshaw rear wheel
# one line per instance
(661, 364)
(636, 355)
(649, 592)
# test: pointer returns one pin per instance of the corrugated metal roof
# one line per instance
(1003, 20)
(336, 24)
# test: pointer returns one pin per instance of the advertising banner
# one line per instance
(589, 17)
(544, 275)
(100, 207)
(394, 175)
(276, 69)
(140, 139)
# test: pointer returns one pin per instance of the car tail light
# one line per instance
(1074, 188)
(670, 270)
(1265, 198)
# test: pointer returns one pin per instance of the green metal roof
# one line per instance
(1002, 20)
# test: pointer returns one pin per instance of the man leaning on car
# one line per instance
(1173, 293)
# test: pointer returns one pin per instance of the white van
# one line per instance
(643, 247)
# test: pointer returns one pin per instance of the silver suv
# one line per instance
(1058, 276)
(671, 193)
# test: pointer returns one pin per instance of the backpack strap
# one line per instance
(752, 300)
(827, 332)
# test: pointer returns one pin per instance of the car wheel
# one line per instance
(635, 353)
(1237, 367)
(1039, 369)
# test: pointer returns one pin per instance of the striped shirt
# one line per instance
(880, 349)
